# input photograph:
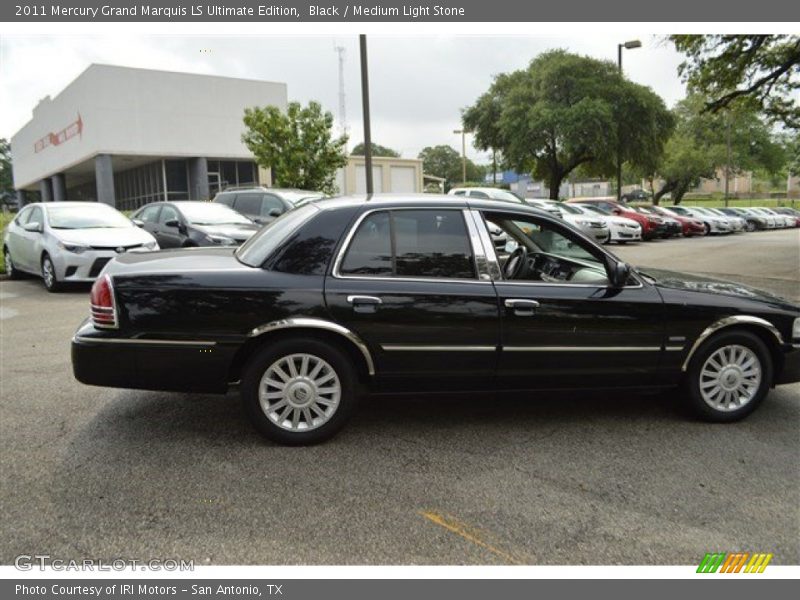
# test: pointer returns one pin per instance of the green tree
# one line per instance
(6, 178)
(377, 150)
(735, 140)
(444, 161)
(297, 145)
(764, 69)
(567, 111)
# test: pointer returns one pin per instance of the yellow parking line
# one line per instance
(468, 533)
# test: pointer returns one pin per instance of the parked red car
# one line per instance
(652, 226)
(691, 226)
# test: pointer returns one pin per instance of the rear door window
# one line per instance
(411, 243)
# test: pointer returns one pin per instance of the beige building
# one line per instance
(389, 175)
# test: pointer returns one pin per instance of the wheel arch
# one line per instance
(328, 331)
(763, 329)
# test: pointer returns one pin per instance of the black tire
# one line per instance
(707, 228)
(51, 283)
(694, 396)
(11, 271)
(271, 354)
(751, 226)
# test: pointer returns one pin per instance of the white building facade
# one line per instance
(128, 136)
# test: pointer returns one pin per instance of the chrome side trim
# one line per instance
(728, 322)
(141, 342)
(673, 348)
(582, 348)
(478, 251)
(310, 322)
(488, 245)
(424, 348)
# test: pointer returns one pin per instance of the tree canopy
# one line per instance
(6, 177)
(297, 145)
(737, 139)
(444, 161)
(567, 111)
(377, 150)
(764, 69)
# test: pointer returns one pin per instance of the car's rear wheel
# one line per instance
(299, 391)
(729, 376)
(751, 226)
(707, 227)
(8, 262)
(49, 276)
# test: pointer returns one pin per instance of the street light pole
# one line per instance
(630, 45)
(365, 106)
(463, 133)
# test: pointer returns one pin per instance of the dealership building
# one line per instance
(127, 137)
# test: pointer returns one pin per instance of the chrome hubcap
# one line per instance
(730, 378)
(299, 392)
(47, 272)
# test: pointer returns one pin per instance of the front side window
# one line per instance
(168, 214)
(36, 216)
(249, 204)
(411, 243)
(272, 206)
(540, 251)
(149, 214)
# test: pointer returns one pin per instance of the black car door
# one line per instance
(149, 220)
(406, 282)
(563, 324)
(170, 235)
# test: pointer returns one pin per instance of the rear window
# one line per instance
(260, 246)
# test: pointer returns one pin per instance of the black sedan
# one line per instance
(411, 295)
(183, 224)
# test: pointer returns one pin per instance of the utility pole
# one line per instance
(630, 45)
(727, 156)
(340, 50)
(362, 40)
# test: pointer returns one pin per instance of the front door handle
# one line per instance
(522, 306)
(364, 304)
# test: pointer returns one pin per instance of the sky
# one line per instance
(418, 85)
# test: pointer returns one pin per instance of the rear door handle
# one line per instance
(364, 304)
(522, 306)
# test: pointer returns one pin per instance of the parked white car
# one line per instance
(621, 229)
(591, 225)
(712, 222)
(737, 222)
(772, 219)
(69, 241)
(490, 193)
(781, 220)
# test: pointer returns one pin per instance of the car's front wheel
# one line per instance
(49, 276)
(299, 391)
(8, 262)
(729, 376)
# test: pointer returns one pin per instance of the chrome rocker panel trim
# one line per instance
(312, 323)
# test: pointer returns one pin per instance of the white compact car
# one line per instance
(490, 193)
(620, 229)
(781, 220)
(591, 225)
(737, 223)
(69, 241)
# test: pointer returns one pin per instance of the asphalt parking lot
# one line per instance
(590, 479)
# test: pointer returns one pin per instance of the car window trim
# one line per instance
(348, 239)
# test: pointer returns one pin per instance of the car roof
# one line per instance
(73, 203)
(389, 201)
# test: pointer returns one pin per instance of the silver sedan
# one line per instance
(69, 241)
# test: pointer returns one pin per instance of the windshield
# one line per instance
(567, 208)
(505, 195)
(260, 246)
(596, 209)
(211, 213)
(91, 216)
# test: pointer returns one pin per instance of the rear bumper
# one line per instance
(99, 358)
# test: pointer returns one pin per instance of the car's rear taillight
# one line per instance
(104, 310)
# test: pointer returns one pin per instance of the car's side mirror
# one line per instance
(33, 226)
(617, 211)
(275, 212)
(619, 274)
(172, 223)
(138, 222)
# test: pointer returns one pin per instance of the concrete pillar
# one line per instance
(59, 184)
(46, 190)
(198, 179)
(22, 198)
(104, 179)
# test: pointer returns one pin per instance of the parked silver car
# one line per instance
(69, 241)
(592, 226)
